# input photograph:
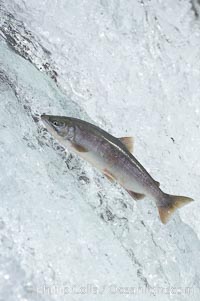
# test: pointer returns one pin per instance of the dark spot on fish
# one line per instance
(173, 140)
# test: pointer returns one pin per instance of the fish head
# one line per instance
(59, 126)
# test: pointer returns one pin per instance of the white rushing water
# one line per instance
(131, 67)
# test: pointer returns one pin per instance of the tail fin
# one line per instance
(170, 204)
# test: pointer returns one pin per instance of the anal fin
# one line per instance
(135, 195)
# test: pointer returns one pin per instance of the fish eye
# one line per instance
(55, 123)
(58, 124)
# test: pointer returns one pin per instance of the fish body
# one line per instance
(112, 157)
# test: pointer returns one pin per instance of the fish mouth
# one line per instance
(45, 117)
(46, 120)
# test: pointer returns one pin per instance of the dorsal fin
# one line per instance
(128, 142)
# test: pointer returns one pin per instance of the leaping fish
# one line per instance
(113, 157)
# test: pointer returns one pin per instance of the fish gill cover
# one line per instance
(131, 67)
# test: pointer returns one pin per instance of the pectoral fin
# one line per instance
(135, 195)
(109, 178)
(108, 175)
(79, 148)
(128, 142)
